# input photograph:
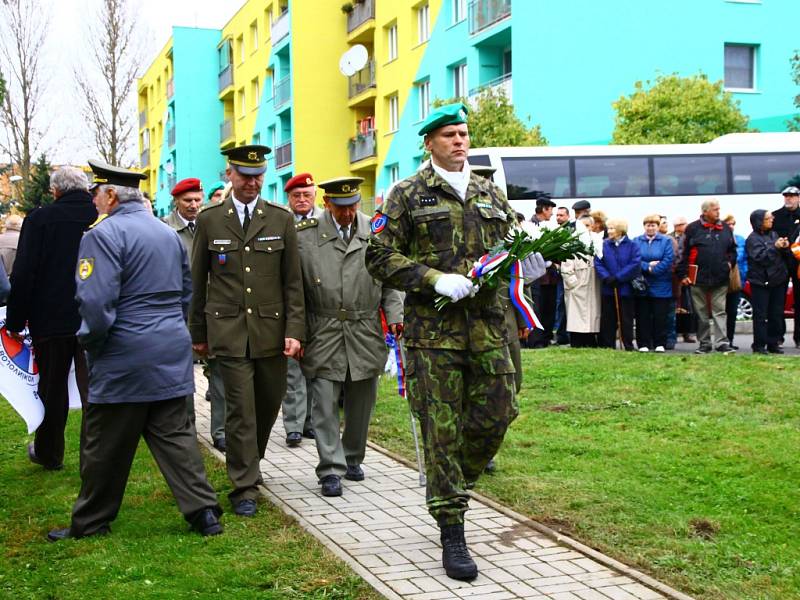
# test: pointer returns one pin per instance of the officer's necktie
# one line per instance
(191, 226)
(246, 222)
(303, 218)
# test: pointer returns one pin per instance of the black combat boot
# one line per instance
(457, 562)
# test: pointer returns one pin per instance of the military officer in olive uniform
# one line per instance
(133, 291)
(346, 348)
(460, 378)
(247, 311)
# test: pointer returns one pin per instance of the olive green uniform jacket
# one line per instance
(248, 291)
(342, 301)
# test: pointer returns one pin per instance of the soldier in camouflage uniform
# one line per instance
(430, 230)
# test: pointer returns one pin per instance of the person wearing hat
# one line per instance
(580, 208)
(133, 291)
(544, 208)
(544, 291)
(787, 224)
(301, 192)
(346, 349)
(247, 311)
(187, 198)
(216, 192)
(431, 229)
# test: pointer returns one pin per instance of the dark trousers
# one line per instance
(768, 320)
(544, 303)
(608, 322)
(112, 436)
(731, 309)
(582, 340)
(796, 286)
(651, 321)
(562, 336)
(54, 358)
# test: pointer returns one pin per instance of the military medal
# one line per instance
(222, 258)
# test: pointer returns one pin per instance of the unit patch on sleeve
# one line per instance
(378, 222)
(85, 268)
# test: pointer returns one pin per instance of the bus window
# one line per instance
(480, 160)
(689, 175)
(598, 177)
(763, 173)
(526, 176)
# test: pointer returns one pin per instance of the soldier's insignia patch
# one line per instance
(378, 222)
(428, 201)
(85, 268)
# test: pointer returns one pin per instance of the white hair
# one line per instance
(66, 179)
(124, 194)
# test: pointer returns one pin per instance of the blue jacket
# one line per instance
(659, 280)
(741, 256)
(618, 266)
(133, 291)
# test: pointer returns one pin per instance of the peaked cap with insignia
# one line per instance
(248, 160)
(106, 174)
(449, 114)
(343, 191)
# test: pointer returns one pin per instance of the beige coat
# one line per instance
(187, 237)
(581, 295)
(343, 325)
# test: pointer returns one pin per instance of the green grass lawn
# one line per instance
(150, 553)
(683, 466)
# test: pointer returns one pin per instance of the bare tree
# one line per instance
(22, 38)
(107, 84)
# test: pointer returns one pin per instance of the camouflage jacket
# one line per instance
(424, 229)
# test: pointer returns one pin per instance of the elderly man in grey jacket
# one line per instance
(133, 292)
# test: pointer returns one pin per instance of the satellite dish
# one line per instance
(353, 60)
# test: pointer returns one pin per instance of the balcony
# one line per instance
(363, 146)
(170, 88)
(171, 181)
(226, 77)
(144, 159)
(143, 119)
(225, 131)
(361, 13)
(485, 13)
(280, 28)
(283, 155)
(282, 92)
(171, 136)
(362, 80)
(498, 84)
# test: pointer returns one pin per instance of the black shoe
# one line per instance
(457, 562)
(775, 350)
(354, 473)
(331, 485)
(36, 460)
(293, 439)
(208, 395)
(725, 348)
(206, 523)
(735, 347)
(760, 351)
(490, 467)
(309, 434)
(703, 350)
(56, 535)
(245, 508)
(220, 445)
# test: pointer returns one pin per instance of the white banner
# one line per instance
(19, 377)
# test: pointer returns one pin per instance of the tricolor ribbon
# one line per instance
(391, 341)
(517, 295)
(486, 264)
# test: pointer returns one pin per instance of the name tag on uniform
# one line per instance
(484, 205)
(268, 238)
(428, 201)
(215, 242)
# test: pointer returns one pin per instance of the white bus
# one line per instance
(744, 171)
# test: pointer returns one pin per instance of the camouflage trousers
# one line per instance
(465, 402)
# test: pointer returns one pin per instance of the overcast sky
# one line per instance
(67, 42)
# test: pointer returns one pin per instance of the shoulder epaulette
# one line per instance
(209, 206)
(98, 221)
(306, 223)
(276, 205)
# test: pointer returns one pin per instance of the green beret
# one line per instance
(449, 114)
(219, 185)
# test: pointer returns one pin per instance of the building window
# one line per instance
(242, 103)
(392, 41)
(423, 24)
(240, 43)
(459, 10)
(254, 89)
(460, 81)
(394, 113)
(424, 95)
(225, 55)
(256, 138)
(740, 67)
(273, 192)
(254, 35)
(394, 173)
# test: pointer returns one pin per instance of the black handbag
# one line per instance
(639, 285)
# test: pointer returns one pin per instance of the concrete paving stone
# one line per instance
(371, 561)
(501, 595)
(567, 566)
(561, 556)
(605, 574)
(445, 595)
(393, 559)
(526, 544)
(549, 590)
(543, 582)
(522, 589)
(408, 574)
(499, 575)
(428, 584)
(617, 579)
(514, 558)
(641, 592)
(563, 596)
(617, 593)
(589, 565)
(522, 572)
(403, 587)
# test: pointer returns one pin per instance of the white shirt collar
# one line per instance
(184, 221)
(458, 180)
(308, 215)
(239, 206)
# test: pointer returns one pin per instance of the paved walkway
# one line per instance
(381, 529)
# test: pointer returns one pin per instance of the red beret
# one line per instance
(299, 180)
(187, 185)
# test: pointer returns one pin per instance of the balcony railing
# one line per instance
(280, 28)
(171, 181)
(225, 130)
(144, 159)
(283, 155)
(283, 92)
(170, 88)
(143, 119)
(171, 136)
(502, 83)
(363, 147)
(484, 13)
(362, 80)
(361, 13)
(226, 77)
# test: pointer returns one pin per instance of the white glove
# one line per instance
(533, 267)
(455, 286)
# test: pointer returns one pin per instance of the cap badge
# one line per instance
(252, 155)
(309, 181)
(346, 187)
